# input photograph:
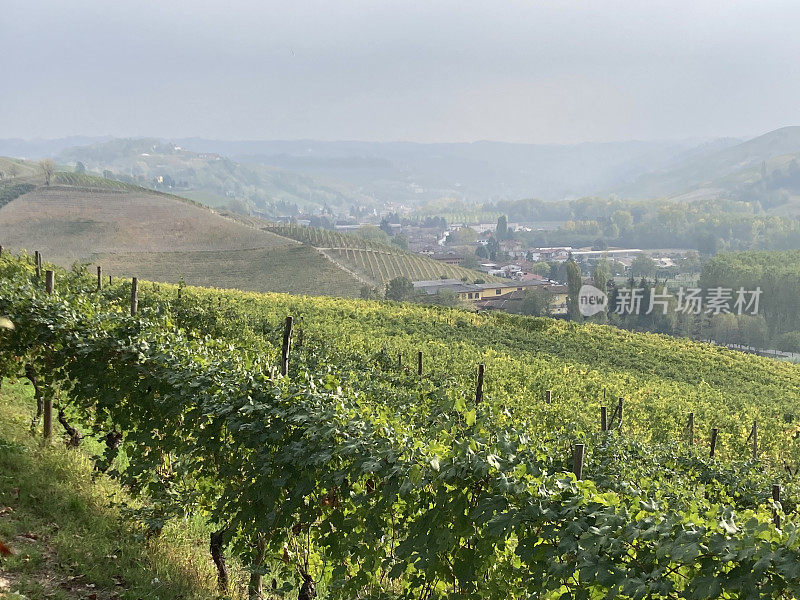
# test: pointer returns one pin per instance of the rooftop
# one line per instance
(435, 282)
(601, 252)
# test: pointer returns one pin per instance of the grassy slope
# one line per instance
(133, 231)
(68, 542)
(290, 269)
(68, 223)
(207, 198)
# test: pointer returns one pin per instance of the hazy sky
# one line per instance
(563, 71)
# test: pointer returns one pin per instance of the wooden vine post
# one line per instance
(603, 418)
(400, 360)
(548, 396)
(479, 387)
(617, 414)
(99, 278)
(776, 497)
(37, 261)
(714, 433)
(690, 427)
(255, 585)
(287, 345)
(419, 362)
(754, 433)
(134, 296)
(217, 547)
(49, 286)
(577, 460)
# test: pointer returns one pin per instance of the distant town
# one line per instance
(499, 250)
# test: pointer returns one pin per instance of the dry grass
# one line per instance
(68, 224)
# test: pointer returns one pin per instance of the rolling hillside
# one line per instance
(736, 171)
(69, 223)
(133, 231)
(210, 178)
(417, 173)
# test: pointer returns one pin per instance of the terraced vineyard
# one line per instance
(374, 262)
(329, 461)
(93, 181)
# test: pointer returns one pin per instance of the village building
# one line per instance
(616, 253)
(467, 291)
(557, 254)
(448, 258)
(512, 302)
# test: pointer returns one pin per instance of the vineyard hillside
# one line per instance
(373, 262)
(487, 456)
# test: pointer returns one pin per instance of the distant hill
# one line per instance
(18, 170)
(342, 173)
(756, 170)
(39, 148)
(415, 173)
(133, 231)
(211, 178)
(277, 178)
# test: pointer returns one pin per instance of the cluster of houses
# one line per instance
(509, 295)
(495, 296)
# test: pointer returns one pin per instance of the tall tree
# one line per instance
(537, 302)
(601, 274)
(400, 288)
(47, 167)
(573, 289)
(643, 266)
(494, 248)
(600, 277)
(502, 228)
